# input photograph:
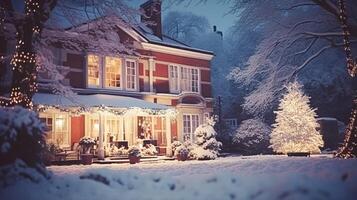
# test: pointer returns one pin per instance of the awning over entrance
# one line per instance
(95, 100)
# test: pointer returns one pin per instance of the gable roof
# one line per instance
(143, 34)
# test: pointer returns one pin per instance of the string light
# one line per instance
(349, 149)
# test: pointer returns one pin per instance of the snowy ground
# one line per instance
(254, 177)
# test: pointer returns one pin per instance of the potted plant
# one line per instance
(86, 144)
(181, 153)
(134, 153)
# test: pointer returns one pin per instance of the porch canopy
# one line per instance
(99, 100)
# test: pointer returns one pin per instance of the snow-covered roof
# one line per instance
(148, 34)
(95, 100)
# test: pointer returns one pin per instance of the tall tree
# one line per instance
(295, 127)
(28, 26)
(349, 148)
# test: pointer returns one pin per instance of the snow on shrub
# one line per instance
(182, 151)
(175, 144)
(207, 146)
(86, 143)
(22, 140)
(252, 136)
(134, 151)
(149, 150)
(115, 151)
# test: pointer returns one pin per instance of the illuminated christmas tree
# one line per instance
(295, 124)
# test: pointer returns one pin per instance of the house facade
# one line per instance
(161, 94)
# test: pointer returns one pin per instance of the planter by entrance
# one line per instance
(134, 159)
(180, 157)
(87, 159)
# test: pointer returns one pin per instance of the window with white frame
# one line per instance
(112, 72)
(183, 79)
(174, 78)
(93, 63)
(57, 128)
(93, 128)
(190, 123)
(131, 75)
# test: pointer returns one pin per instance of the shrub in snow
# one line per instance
(252, 136)
(115, 151)
(207, 146)
(295, 124)
(49, 152)
(175, 144)
(86, 144)
(22, 138)
(181, 153)
(134, 151)
(149, 150)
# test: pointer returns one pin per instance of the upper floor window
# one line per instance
(93, 71)
(130, 75)
(112, 72)
(173, 78)
(183, 79)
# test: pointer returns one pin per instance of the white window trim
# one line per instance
(136, 81)
(177, 81)
(179, 68)
(53, 114)
(191, 124)
(105, 73)
(100, 71)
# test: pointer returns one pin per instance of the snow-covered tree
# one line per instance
(207, 146)
(295, 125)
(252, 136)
(296, 39)
(185, 27)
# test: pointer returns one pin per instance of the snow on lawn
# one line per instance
(252, 177)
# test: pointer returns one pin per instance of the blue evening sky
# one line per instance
(214, 10)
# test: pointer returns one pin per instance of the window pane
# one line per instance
(93, 70)
(130, 75)
(173, 78)
(112, 72)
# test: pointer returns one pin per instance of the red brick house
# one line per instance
(139, 92)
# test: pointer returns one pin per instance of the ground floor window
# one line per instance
(57, 126)
(190, 123)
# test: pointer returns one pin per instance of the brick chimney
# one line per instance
(152, 16)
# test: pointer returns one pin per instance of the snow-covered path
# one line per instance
(254, 177)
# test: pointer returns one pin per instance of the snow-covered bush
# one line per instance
(114, 150)
(49, 152)
(134, 151)
(149, 150)
(86, 144)
(182, 152)
(207, 146)
(295, 128)
(175, 144)
(22, 138)
(252, 136)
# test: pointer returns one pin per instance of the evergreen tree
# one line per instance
(295, 124)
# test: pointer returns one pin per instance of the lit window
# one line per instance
(57, 128)
(130, 75)
(112, 72)
(93, 70)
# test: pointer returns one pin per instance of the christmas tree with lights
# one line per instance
(295, 125)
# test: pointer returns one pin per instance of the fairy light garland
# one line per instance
(171, 113)
(349, 149)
